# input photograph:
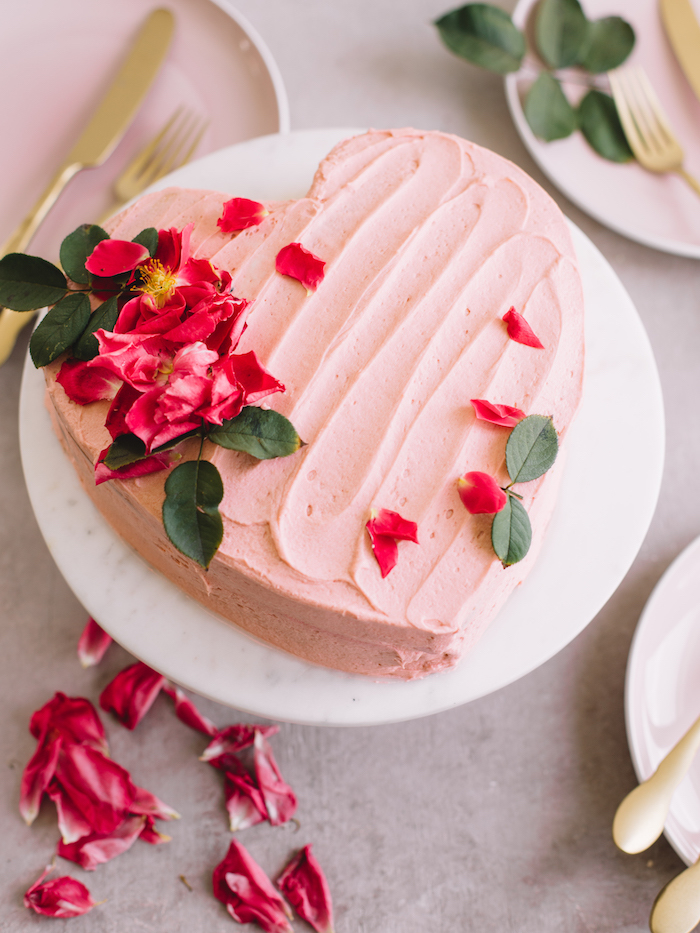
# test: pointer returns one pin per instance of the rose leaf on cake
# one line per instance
(305, 887)
(531, 449)
(511, 532)
(60, 897)
(93, 643)
(505, 415)
(520, 331)
(130, 694)
(480, 493)
(385, 529)
(103, 318)
(62, 326)
(28, 283)
(261, 432)
(241, 213)
(301, 264)
(76, 248)
(247, 893)
(191, 516)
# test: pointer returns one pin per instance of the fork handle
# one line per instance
(693, 182)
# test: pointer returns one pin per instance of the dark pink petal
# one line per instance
(75, 719)
(505, 415)
(147, 804)
(113, 257)
(480, 493)
(84, 384)
(187, 712)
(280, 800)
(115, 421)
(299, 263)
(37, 775)
(256, 381)
(152, 464)
(385, 528)
(93, 644)
(386, 552)
(91, 851)
(244, 801)
(241, 884)
(61, 897)
(150, 834)
(132, 693)
(174, 247)
(240, 213)
(520, 331)
(234, 739)
(72, 825)
(306, 889)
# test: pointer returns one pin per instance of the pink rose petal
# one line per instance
(386, 552)
(150, 834)
(234, 739)
(520, 331)
(480, 493)
(305, 887)
(132, 693)
(504, 415)
(300, 264)
(97, 848)
(84, 384)
(36, 777)
(113, 257)
(147, 804)
(92, 644)
(75, 719)
(240, 213)
(385, 528)
(187, 712)
(248, 894)
(244, 801)
(61, 897)
(280, 800)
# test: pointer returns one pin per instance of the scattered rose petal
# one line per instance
(480, 493)
(240, 213)
(93, 644)
(280, 800)
(61, 897)
(246, 891)
(300, 264)
(132, 693)
(385, 528)
(234, 739)
(95, 849)
(187, 712)
(520, 331)
(150, 834)
(75, 719)
(505, 415)
(147, 804)
(113, 257)
(305, 887)
(36, 777)
(84, 384)
(244, 801)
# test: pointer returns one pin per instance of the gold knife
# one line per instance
(683, 31)
(100, 136)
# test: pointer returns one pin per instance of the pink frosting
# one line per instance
(428, 240)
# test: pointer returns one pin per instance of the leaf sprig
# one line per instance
(531, 450)
(564, 38)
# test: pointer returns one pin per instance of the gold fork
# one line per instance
(171, 148)
(646, 125)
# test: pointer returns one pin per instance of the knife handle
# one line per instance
(21, 237)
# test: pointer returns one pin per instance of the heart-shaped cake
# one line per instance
(428, 241)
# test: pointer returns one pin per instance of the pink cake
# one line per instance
(428, 240)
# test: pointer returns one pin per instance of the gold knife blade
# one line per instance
(683, 31)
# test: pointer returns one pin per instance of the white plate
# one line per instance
(658, 210)
(662, 694)
(54, 76)
(595, 533)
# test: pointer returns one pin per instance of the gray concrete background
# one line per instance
(492, 817)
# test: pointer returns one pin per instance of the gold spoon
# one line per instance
(677, 906)
(640, 818)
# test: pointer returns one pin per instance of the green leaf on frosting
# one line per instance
(531, 449)
(191, 515)
(484, 35)
(600, 124)
(104, 317)
(261, 432)
(561, 31)
(608, 43)
(148, 238)
(62, 326)
(28, 283)
(547, 111)
(511, 532)
(76, 248)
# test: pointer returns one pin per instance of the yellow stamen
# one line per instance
(157, 281)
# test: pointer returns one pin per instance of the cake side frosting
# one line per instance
(428, 240)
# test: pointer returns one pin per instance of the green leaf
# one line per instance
(600, 124)
(531, 449)
(262, 432)
(561, 30)
(511, 532)
(148, 238)
(608, 43)
(484, 35)
(76, 248)
(191, 516)
(104, 317)
(547, 111)
(62, 326)
(28, 283)
(125, 450)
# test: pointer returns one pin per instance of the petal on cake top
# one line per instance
(520, 331)
(60, 897)
(505, 415)
(305, 887)
(480, 493)
(240, 213)
(114, 257)
(385, 528)
(300, 264)
(92, 644)
(84, 384)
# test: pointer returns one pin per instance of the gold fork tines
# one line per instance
(646, 125)
(171, 148)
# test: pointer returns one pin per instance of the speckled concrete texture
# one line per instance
(494, 817)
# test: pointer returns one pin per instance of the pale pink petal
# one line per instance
(279, 797)
(480, 493)
(187, 712)
(248, 894)
(91, 851)
(92, 644)
(132, 693)
(306, 889)
(234, 739)
(113, 257)
(60, 897)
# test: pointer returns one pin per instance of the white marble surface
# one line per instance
(494, 816)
